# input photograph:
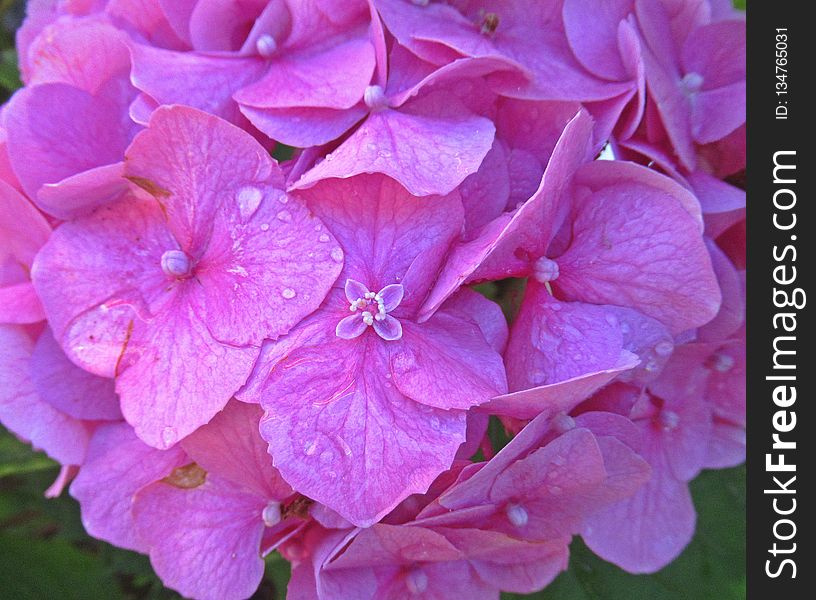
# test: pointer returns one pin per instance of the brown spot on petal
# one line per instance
(298, 507)
(490, 22)
(186, 477)
(150, 186)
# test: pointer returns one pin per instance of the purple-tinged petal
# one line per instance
(304, 127)
(592, 31)
(203, 541)
(68, 388)
(446, 363)
(388, 328)
(340, 432)
(355, 290)
(118, 465)
(391, 296)
(427, 153)
(23, 412)
(351, 327)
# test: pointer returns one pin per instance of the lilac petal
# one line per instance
(391, 296)
(79, 194)
(351, 327)
(117, 466)
(593, 38)
(389, 328)
(355, 290)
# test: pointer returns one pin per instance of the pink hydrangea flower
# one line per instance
(172, 292)
(365, 405)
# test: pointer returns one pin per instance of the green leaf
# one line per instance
(35, 569)
(711, 568)
(17, 458)
(9, 74)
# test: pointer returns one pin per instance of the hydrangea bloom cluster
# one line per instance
(231, 355)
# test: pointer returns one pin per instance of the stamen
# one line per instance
(362, 299)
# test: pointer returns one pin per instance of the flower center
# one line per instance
(545, 270)
(371, 310)
(489, 24)
(176, 263)
(266, 45)
(375, 98)
(416, 581)
(517, 515)
(691, 83)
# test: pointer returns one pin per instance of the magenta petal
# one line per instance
(201, 81)
(427, 154)
(340, 433)
(20, 304)
(592, 29)
(304, 127)
(117, 466)
(333, 78)
(60, 131)
(213, 551)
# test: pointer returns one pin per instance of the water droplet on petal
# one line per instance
(288, 293)
(285, 216)
(555, 490)
(169, 436)
(249, 198)
(264, 226)
(323, 237)
(337, 254)
(310, 448)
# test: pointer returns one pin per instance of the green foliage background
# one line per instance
(45, 553)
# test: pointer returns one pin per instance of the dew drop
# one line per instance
(285, 216)
(325, 456)
(288, 293)
(169, 436)
(337, 254)
(555, 490)
(323, 237)
(249, 198)
(264, 226)
(310, 448)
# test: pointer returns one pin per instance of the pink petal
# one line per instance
(427, 153)
(68, 388)
(446, 363)
(22, 410)
(342, 457)
(636, 246)
(213, 550)
(118, 465)
(231, 447)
